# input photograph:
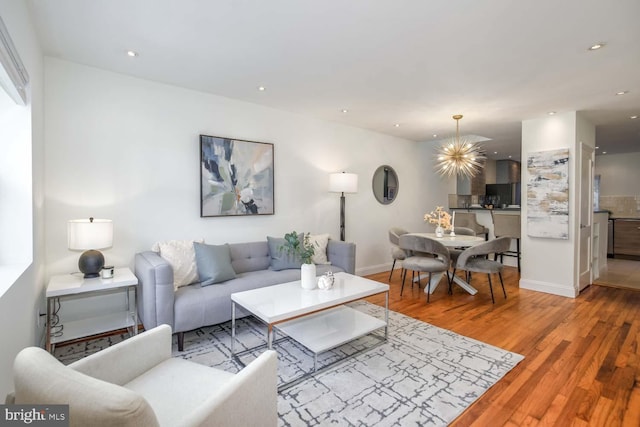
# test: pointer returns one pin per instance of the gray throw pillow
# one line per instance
(280, 260)
(214, 263)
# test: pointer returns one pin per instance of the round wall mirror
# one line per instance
(385, 184)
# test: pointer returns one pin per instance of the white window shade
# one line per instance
(343, 182)
(13, 76)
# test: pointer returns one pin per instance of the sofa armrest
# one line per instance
(249, 399)
(342, 254)
(121, 363)
(155, 290)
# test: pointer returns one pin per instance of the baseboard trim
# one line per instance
(548, 288)
(373, 269)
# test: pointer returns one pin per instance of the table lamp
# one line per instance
(343, 183)
(89, 235)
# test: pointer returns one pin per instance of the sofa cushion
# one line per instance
(319, 242)
(194, 383)
(280, 259)
(252, 256)
(197, 305)
(182, 257)
(214, 263)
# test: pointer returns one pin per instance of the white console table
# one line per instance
(69, 286)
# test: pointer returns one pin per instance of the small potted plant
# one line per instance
(298, 245)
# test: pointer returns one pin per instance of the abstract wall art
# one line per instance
(548, 194)
(236, 177)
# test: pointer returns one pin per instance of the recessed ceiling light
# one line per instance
(551, 113)
(397, 125)
(132, 53)
(604, 152)
(622, 92)
(597, 147)
(435, 135)
(633, 117)
(345, 111)
(509, 156)
(597, 46)
(495, 152)
(261, 88)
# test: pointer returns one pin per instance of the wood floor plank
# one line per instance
(582, 357)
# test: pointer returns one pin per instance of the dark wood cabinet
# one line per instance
(626, 239)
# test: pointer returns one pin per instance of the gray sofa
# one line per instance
(194, 306)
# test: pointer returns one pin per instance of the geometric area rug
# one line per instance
(422, 375)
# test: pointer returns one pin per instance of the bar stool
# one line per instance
(468, 220)
(506, 225)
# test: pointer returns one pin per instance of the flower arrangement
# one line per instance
(295, 244)
(440, 217)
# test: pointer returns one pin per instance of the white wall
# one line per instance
(619, 174)
(127, 149)
(549, 265)
(24, 297)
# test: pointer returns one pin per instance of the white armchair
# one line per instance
(138, 383)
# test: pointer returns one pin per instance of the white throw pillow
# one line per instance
(319, 242)
(182, 258)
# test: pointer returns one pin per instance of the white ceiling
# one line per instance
(410, 62)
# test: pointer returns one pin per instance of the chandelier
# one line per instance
(459, 157)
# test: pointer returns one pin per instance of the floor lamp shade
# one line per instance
(88, 235)
(343, 183)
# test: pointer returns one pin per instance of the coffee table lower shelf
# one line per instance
(326, 330)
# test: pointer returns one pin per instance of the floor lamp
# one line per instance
(343, 183)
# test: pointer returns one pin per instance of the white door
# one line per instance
(585, 194)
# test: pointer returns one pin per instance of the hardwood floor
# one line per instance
(582, 359)
(621, 273)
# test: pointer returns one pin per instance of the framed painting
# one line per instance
(236, 177)
(548, 194)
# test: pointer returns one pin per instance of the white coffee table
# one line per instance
(316, 318)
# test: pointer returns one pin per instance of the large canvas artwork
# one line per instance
(548, 194)
(236, 177)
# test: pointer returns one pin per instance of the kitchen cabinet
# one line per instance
(626, 241)
(507, 171)
(471, 186)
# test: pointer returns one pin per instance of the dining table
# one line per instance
(455, 241)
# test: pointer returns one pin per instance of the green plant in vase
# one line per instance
(299, 245)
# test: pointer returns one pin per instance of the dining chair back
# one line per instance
(455, 252)
(474, 259)
(427, 255)
(508, 225)
(469, 220)
(397, 253)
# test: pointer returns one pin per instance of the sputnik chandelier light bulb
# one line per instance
(459, 157)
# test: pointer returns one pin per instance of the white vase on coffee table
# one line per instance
(308, 276)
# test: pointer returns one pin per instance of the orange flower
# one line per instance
(439, 217)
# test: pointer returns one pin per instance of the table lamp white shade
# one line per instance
(343, 182)
(83, 234)
(88, 235)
